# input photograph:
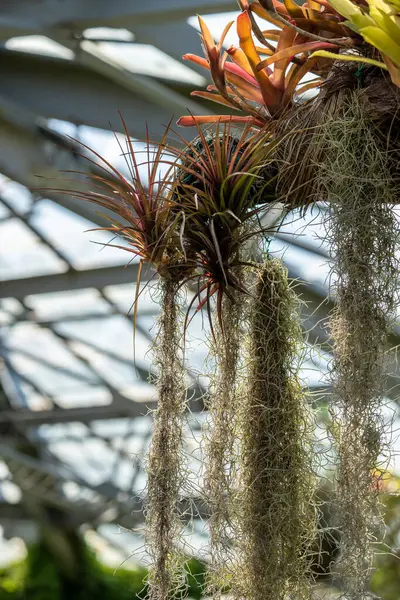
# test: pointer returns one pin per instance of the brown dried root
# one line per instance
(220, 444)
(274, 509)
(356, 180)
(166, 575)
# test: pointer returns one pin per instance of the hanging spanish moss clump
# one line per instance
(165, 464)
(276, 517)
(355, 178)
(220, 454)
(143, 218)
(222, 192)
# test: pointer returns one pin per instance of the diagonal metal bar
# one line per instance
(34, 16)
(72, 280)
(36, 231)
(6, 351)
(87, 414)
(55, 84)
(198, 389)
(108, 504)
(92, 57)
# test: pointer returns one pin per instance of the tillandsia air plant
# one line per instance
(224, 182)
(144, 220)
(224, 187)
(190, 213)
(343, 147)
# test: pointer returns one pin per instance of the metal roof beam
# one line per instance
(89, 13)
(86, 414)
(33, 155)
(72, 280)
(148, 88)
(69, 91)
(176, 39)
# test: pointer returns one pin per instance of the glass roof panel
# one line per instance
(144, 59)
(109, 34)
(22, 254)
(216, 24)
(39, 44)
(57, 306)
(69, 233)
(103, 334)
(4, 212)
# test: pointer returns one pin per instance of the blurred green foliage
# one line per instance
(38, 578)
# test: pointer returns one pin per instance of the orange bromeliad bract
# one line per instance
(262, 88)
(264, 80)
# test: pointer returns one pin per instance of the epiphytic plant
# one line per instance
(144, 220)
(222, 188)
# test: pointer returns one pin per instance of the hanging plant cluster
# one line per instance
(192, 214)
(196, 213)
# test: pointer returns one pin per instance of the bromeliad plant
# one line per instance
(244, 82)
(223, 187)
(223, 183)
(304, 40)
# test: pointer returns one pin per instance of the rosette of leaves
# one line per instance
(224, 181)
(144, 221)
